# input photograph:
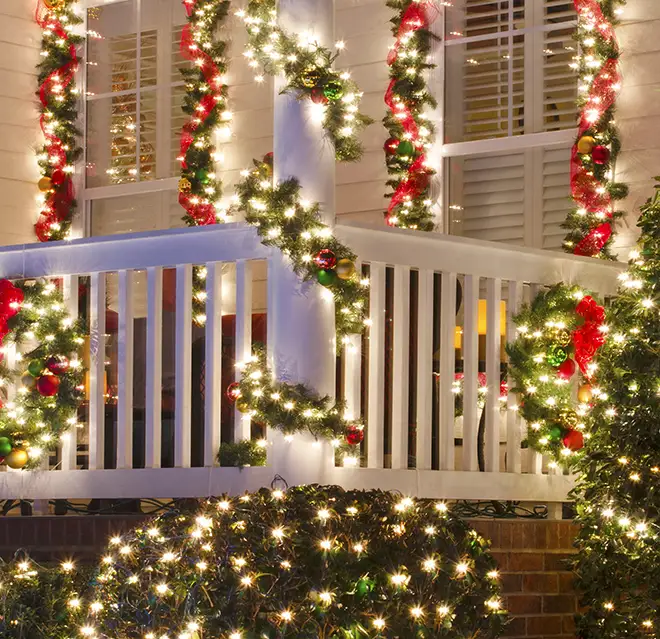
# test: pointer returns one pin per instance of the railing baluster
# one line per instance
(493, 345)
(401, 366)
(470, 371)
(97, 371)
(125, 372)
(70, 437)
(513, 434)
(352, 363)
(154, 369)
(242, 428)
(376, 382)
(183, 366)
(447, 370)
(213, 375)
(424, 450)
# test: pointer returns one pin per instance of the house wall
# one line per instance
(638, 113)
(531, 555)
(19, 127)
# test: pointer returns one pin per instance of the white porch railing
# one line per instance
(398, 377)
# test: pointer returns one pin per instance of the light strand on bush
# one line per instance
(311, 561)
(559, 334)
(309, 72)
(49, 374)
(58, 107)
(591, 223)
(410, 130)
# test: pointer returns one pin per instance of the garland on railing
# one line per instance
(309, 72)
(560, 333)
(51, 373)
(285, 221)
(58, 98)
(411, 132)
(591, 222)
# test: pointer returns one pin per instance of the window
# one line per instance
(510, 118)
(133, 114)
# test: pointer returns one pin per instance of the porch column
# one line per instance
(301, 327)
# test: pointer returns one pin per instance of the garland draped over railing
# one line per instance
(58, 98)
(594, 191)
(309, 72)
(411, 132)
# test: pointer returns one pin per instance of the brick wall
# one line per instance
(531, 554)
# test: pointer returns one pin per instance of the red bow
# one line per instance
(589, 337)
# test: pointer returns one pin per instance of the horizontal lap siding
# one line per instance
(19, 130)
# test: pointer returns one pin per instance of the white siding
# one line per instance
(19, 129)
(638, 112)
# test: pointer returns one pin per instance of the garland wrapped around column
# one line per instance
(58, 106)
(594, 191)
(309, 72)
(411, 132)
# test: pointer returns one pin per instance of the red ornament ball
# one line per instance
(317, 96)
(325, 259)
(233, 391)
(391, 146)
(48, 385)
(268, 158)
(354, 434)
(600, 154)
(58, 176)
(566, 369)
(573, 440)
(57, 364)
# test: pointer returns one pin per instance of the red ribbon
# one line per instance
(587, 191)
(203, 213)
(57, 207)
(11, 298)
(589, 337)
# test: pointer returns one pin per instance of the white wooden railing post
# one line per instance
(302, 345)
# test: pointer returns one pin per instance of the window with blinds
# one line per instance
(135, 91)
(508, 75)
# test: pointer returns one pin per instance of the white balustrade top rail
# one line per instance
(399, 377)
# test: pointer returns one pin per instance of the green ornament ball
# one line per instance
(202, 175)
(333, 90)
(555, 432)
(556, 355)
(405, 148)
(5, 446)
(326, 278)
(35, 367)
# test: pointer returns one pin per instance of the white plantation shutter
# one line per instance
(556, 200)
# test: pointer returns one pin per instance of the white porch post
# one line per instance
(301, 328)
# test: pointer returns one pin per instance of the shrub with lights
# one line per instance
(309, 562)
(47, 347)
(552, 365)
(618, 565)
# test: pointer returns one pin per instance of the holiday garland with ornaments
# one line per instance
(591, 223)
(48, 371)
(552, 363)
(58, 99)
(408, 99)
(310, 74)
(618, 505)
(311, 561)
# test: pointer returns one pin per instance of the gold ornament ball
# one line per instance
(345, 269)
(54, 4)
(311, 77)
(564, 337)
(17, 458)
(184, 185)
(585, 394)
(45, 184)
(242, 406)
(586, 144)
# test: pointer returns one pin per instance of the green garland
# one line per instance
(50, 375)
(41, 601)
(310, 562)
(285, 221)
(308, 68)
(58, 107)
(595, 192)
(242, 454)
(542, 368)
(410, 131)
